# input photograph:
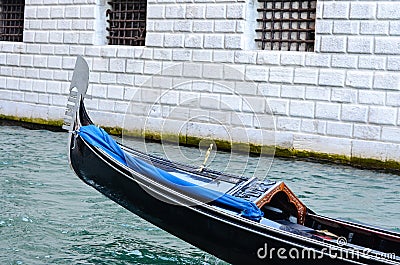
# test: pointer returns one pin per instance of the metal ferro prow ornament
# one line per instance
(78, 88)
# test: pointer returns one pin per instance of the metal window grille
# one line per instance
(12, 20)
(127, 22)
(287, 25)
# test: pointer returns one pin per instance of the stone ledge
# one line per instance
(31, 123)
(389, 166)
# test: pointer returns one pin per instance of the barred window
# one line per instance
(127, 22)
(12, 20)
(287, 25)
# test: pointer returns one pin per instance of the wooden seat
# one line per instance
(282, 195)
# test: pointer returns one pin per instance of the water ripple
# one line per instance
(48, 216)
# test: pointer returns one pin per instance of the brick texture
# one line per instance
(200, 61)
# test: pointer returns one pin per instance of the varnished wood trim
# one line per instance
(301, 208)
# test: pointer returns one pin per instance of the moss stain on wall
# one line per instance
(223, 145)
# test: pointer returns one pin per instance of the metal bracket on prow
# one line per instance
(78, 88)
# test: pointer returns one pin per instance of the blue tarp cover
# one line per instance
(99, 138)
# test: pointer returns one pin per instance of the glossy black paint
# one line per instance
(235, 240)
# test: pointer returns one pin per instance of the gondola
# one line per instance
(239, 220)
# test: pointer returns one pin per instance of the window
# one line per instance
(287, 25)
(12, 20)
(127, 22)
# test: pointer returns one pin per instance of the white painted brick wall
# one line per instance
(373, 63)
(333, 44)
(313, 127)
(268, 58)
(347, 27)
(360, 44)
(278, 106)
(295, 92)
(337, 10)
(382, 115)
(394, 28)
(301, 108)
(216, 11)
(288, 124)
(359, 79)
(362, 10)
(331, 78)
(354, 113)
(390, 134)
(367, 132)
(254, 104)
(374, 27)
(393, 99)
(344, 95)
(387, 80)
(339, 129)
(327, 111)
(317, 143)
(344, 98)
(393, 63)
(388, 10)
(387, 45)
(281, 74)
(214, 41)
(306, 76)
(318, 93)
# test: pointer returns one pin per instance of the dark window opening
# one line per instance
(12, 20)
(286, 25)
(127, 22)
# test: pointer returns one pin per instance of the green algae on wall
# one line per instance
(34, 123)
(223, 145)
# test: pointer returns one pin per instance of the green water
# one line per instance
(48, 216)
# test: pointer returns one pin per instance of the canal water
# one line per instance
(48, 216)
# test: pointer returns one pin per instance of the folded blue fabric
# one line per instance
(97, 137)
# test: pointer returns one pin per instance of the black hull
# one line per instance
(229, 237)
(234, 241)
